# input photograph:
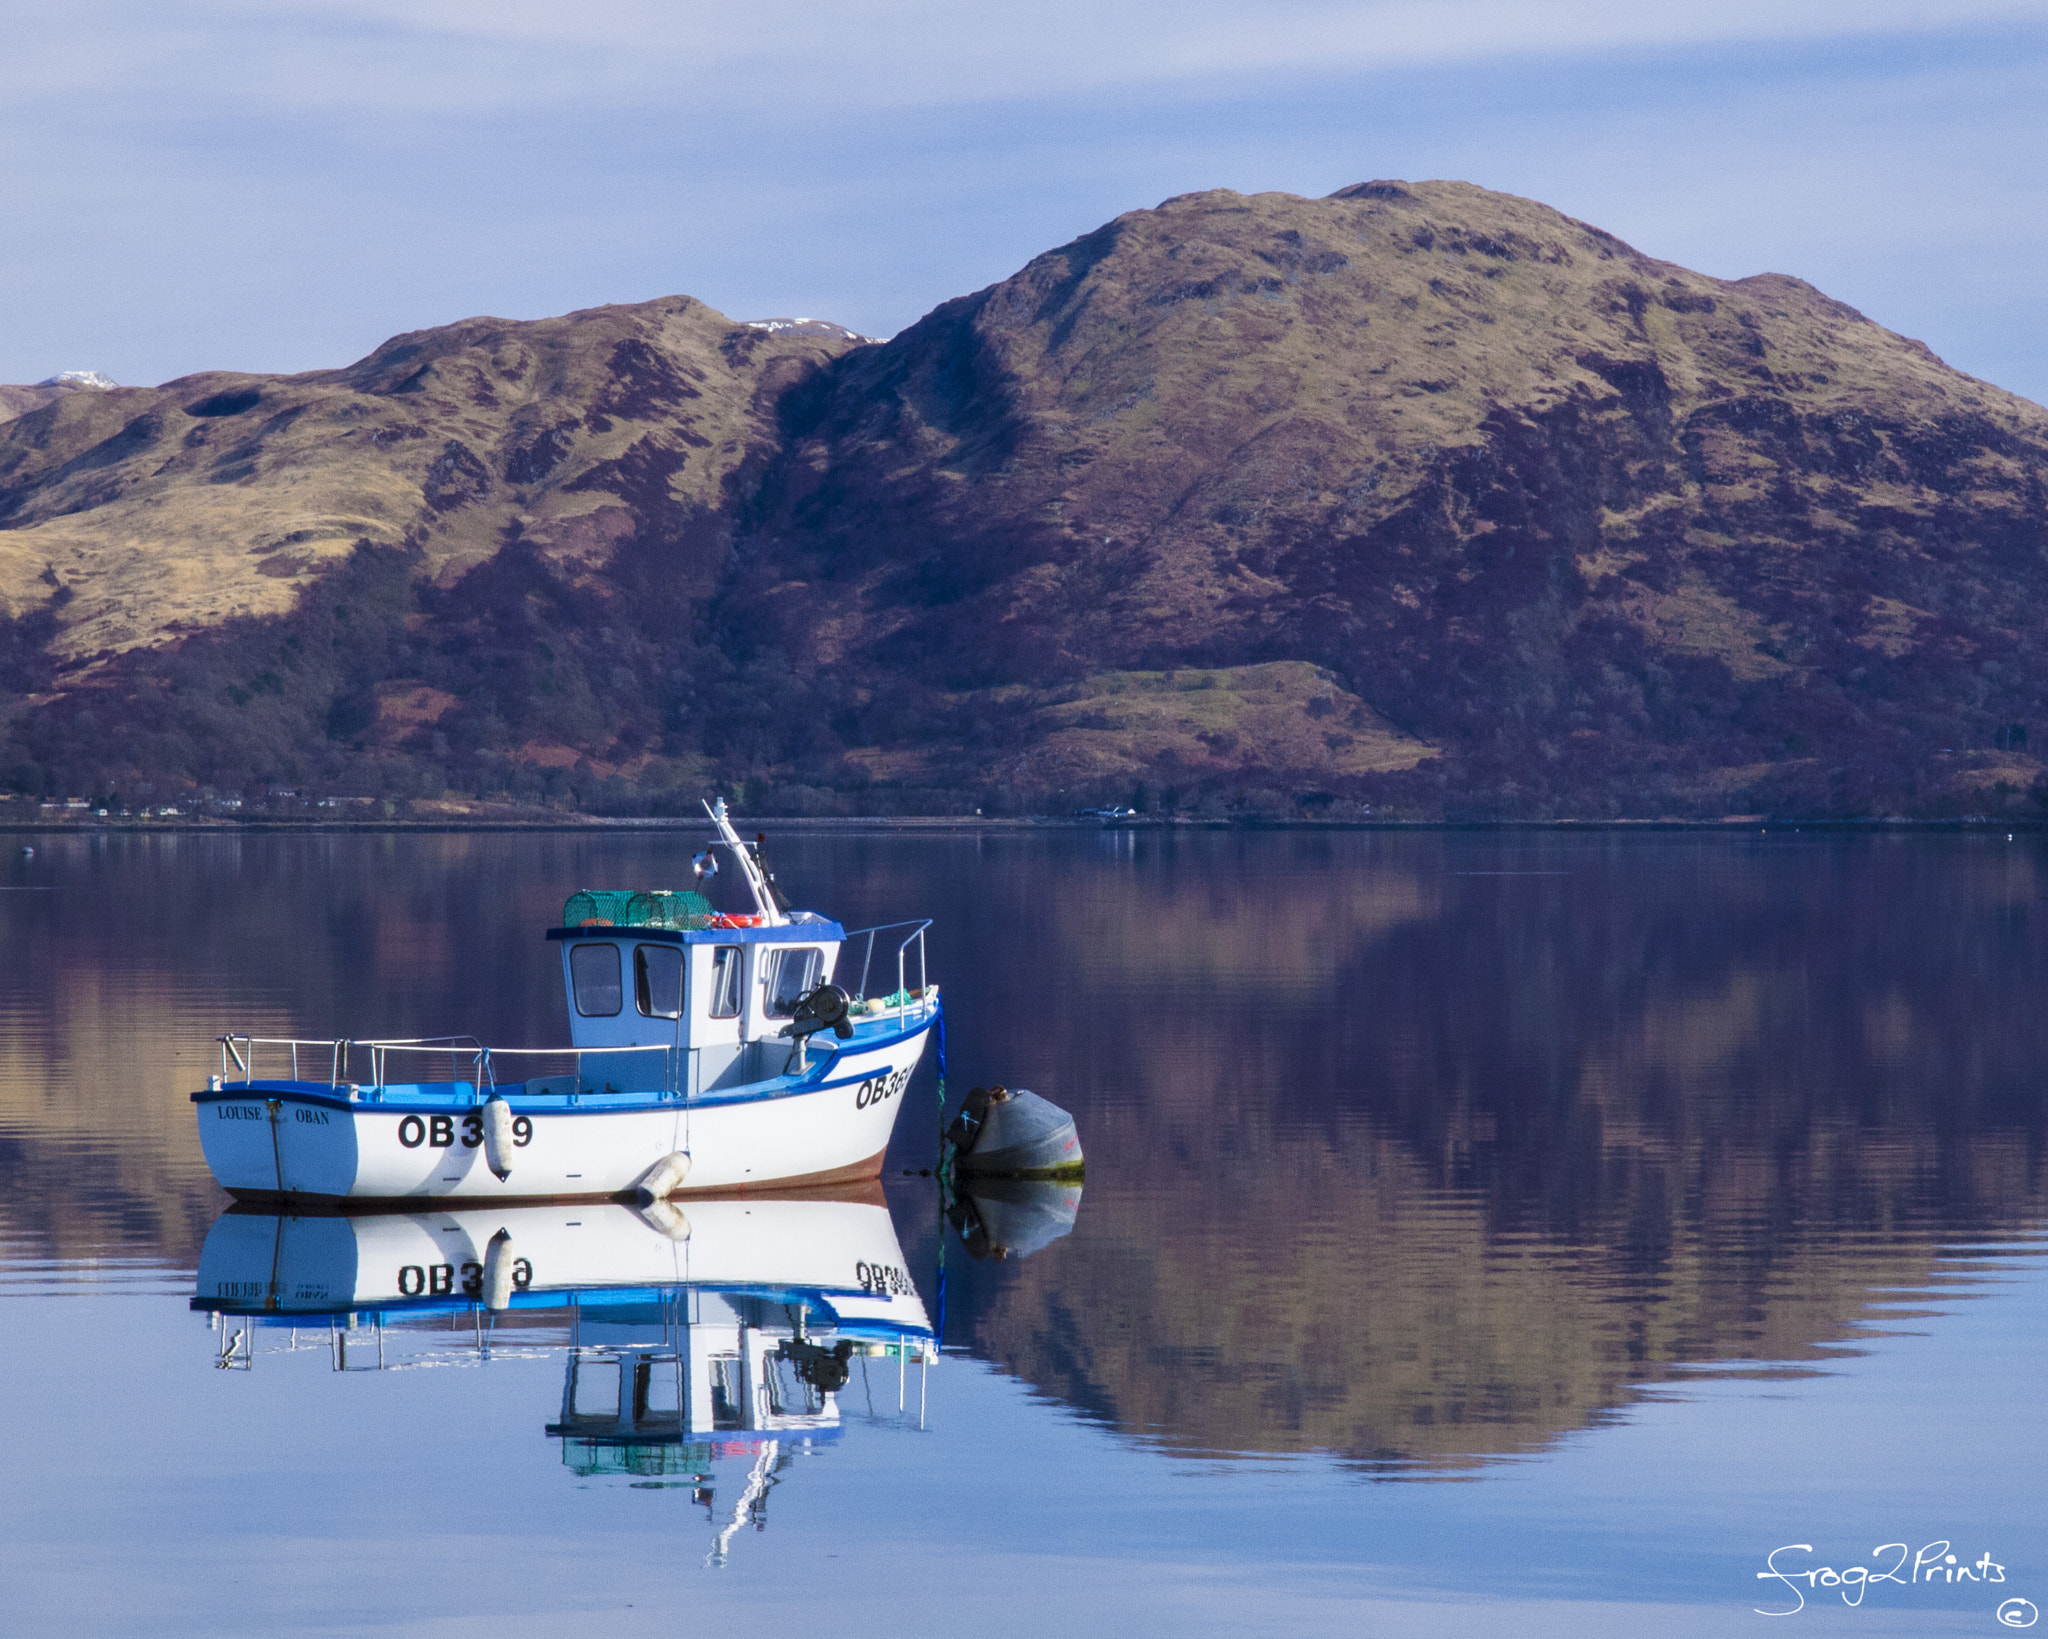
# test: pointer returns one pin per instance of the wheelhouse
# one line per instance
(715, 992)
(718, 999)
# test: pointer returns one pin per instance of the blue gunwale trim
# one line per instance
(802, 933)
(594, 1298)
(719, 1445)
(407, 1102)
(303, 1092)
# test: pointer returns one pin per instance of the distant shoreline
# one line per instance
(213, 826)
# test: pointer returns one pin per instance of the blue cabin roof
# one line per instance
(806, 932)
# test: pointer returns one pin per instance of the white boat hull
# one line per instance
(846, 1251)
(310, 1141)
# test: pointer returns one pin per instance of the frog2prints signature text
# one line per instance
(1934, 1565)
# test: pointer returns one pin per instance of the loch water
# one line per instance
(1484, 1233)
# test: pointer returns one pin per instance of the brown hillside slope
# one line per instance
(1417, 494)
(168, 510)
(16, 401)
(1602, 528)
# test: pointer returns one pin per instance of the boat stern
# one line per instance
(265, 1139)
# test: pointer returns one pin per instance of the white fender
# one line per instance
(665, 1219)
(664, 1176)
(498, 1271)
(498, 1136)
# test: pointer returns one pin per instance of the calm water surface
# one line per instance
(1483, 1234)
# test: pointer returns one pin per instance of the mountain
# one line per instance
(167, 510)
(809, 327)
(1603, 534)
(1417, 495)
(234, 578)
(16, 401)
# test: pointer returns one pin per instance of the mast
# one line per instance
(750, 867)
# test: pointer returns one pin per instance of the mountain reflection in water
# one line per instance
(1421, 1166)
(1422, 1149)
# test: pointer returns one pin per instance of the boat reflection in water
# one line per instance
(691, 1334)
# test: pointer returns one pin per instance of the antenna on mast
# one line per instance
(750, 865)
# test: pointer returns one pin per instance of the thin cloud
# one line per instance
(214, 183)
(450, 58)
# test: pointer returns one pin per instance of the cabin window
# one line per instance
(594, 977)
(725, 982)
(728, 1392)
(794, 973)
(596, 1391)
(658, 981)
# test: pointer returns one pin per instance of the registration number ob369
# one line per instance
(877, 1088)
(439, 1131)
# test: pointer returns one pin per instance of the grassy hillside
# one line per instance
(1615, 536)
(1461, 507)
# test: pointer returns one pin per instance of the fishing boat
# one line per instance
(708, 1052)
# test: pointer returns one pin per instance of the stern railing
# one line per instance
(241, 1052)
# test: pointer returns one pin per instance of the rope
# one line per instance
(939, 1279)
(945, 1177)
(277, 1161)
(939, 1037)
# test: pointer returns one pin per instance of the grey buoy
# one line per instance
(28, 853)
(1004, 1218)
(1014, 1135)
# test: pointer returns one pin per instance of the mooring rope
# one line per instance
(939, 1037)
(943, 1174)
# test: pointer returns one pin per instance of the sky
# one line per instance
(279, 185)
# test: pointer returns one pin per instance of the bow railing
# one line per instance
(905, 994)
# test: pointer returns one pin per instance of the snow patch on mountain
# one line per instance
(808, 327)
(79, 378)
